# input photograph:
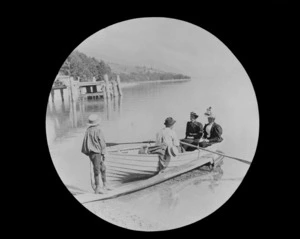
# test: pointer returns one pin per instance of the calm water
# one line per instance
(141, 112)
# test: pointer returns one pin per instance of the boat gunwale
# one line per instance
(197, 151)
(142, 162)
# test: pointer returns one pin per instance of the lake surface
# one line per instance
(141, 112)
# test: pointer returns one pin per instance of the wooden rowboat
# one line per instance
(125, 164)
(127, 170)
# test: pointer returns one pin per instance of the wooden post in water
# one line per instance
(52, 95)
(111, 89)
(106, 86)
(115, 89)
(104, 92)
(119, 85)
(62, 94)
(71, 88)
(75, 88)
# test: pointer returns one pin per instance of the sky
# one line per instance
(163, 43)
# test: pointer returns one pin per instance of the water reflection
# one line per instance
(63, 107)
(81, 109)
(73, 114)
(170, 194)
(53, 113)
(94, 106)
(120, 105)
(68, 114)
(216, 178)
(109, 109)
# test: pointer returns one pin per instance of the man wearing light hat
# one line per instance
(94, 146)
(212, 131)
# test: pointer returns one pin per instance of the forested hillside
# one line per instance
(84, 68)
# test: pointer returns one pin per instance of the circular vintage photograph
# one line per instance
(152, 123)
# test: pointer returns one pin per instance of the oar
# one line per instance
(143, 142)
(191, 145)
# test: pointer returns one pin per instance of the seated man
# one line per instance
(165, 138)
(212, 131)
(193, 133)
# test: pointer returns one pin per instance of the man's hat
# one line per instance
(169, 122)
(93, 120)
(194, 115)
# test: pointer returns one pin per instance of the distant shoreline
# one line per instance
(132, 83)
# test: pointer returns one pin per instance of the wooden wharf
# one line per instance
(85, 90)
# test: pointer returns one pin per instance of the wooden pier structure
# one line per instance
(90, 89)
(59, 84)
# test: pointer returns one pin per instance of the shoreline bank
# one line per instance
(133, 83)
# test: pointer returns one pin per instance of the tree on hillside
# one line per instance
(80, 65)
(103, 69)
(65, 68)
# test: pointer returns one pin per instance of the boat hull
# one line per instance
(126, 164)
(183, 163)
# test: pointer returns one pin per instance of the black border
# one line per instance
(249, 40)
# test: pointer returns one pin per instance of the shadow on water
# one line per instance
(214, 176)
(134, 178)
(169, 191)
(74, 188)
